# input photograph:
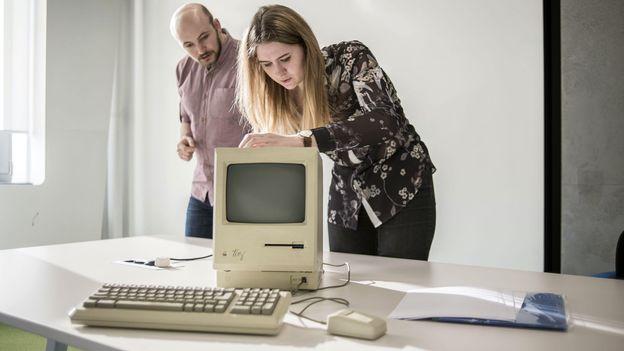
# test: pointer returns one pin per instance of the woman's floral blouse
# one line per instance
(378, 155)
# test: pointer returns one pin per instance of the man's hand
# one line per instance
(186, 148)
(269, 139)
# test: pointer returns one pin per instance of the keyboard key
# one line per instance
(255, 309)
(105, 303)
(241, 309)
(226, 297)
(149, 305)
(268, 308)
(89, 303)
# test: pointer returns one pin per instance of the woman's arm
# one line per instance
(270, 139)
(378, 118)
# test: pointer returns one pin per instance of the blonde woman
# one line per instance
(339, 100)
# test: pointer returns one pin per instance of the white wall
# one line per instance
(81, 40)
(469, 74)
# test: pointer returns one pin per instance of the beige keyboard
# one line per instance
(207, 309)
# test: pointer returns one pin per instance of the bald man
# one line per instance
(208, 116)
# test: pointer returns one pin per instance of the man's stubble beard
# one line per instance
(216, 55)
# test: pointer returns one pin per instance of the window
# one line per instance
(22, 92)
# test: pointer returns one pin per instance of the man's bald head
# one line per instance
(189, 14)
(198, 33)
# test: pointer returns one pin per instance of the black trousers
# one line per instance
(406, 235)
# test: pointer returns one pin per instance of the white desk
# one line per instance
(40, 285)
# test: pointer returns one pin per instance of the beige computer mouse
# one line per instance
(356, 324)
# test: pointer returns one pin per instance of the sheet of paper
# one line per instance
(458, 301)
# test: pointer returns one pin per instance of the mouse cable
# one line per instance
(189, 259)
(316, 299)
(339, 285)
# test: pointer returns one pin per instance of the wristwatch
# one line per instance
(307, 137)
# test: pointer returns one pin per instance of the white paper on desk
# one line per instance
(458, 301)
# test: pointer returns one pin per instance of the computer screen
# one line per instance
(268, 217)
(265, 193)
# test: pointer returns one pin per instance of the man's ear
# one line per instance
(217, 25)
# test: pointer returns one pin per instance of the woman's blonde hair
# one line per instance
(268, 106)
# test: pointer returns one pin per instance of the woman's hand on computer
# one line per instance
(254, 140)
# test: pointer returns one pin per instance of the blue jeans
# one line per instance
(198, 219)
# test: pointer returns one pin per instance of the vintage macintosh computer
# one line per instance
(267, 234)
(268, 218)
